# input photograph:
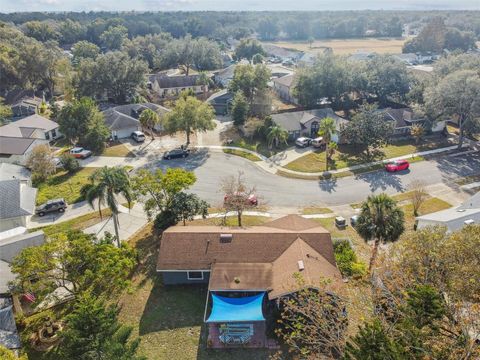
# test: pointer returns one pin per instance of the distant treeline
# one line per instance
(71, 27)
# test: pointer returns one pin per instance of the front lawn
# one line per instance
(119, 150)
(349, 155)
(259, 146)
(63, 185)
(243, 154)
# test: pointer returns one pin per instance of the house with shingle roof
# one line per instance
(307, 123)
(9, 337)
(284, 87)
(18, 138)
(171, 86)
(123, 120)
(403, 119)
(17, 203)
(263, 262)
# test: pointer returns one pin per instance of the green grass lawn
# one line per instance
(429, 206)
(349, 155)
(232, 221)
(259, 146)
(120, 150)
(79, 223)
(316, 210)
(64, 185)
(243, 154)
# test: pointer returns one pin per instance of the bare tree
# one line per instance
(40, 162)
(239, 196)
(313, 322)
(418, 194)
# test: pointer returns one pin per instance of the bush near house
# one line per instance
(346, 259)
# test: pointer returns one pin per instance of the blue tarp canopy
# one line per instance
(226, 309)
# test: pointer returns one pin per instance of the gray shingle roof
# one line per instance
(287, 80)
(294, 121)
(30, 123)
(178, 81)
(14, 145)
(16, 199)
(125, 116)
(11, 171)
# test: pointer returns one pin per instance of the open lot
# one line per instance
(64, 185)
(347, 46)
(348, 155)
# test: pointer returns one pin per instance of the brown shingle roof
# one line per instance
(198, 247)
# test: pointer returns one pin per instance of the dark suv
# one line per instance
(176, 153)
(57, 205)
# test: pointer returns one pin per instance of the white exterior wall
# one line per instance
(439, 126)
(451, 225)
(7, 224)
(124, 133)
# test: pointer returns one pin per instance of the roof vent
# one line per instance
(301, 265)
(461, 210)
(226, 238)
(469, 222)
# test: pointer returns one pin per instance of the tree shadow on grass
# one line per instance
(172, 307)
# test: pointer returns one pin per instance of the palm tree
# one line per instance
(106, 184)
(276, 135)
(380, 220)
(204, 80)
(327, 129)
(148, 119)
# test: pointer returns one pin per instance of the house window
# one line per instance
(47, 135)
(195, 275)
(54, 133)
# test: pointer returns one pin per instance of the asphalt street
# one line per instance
(273, 190)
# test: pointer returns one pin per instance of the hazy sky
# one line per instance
(170, 5)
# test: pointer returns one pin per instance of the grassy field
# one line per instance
(347, 46)
(348, 155)
(64, 185)
(119, 150)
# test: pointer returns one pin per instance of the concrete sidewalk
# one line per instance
(272, 167)
(129, 223)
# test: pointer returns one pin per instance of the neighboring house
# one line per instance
(362, 55)
(281, 53)
(408, 58)
(454, 218)
(11, 243)
(307, 123)
(26, 107)
(283, 87)
(17, 203)
(171, 86)
(404, 118)
(221, 102)
(123, 120)
(18, 138)
(223, 77)
(34, 126)
(247, 269)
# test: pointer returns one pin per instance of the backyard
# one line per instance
(169, 320)
(347, 46)
(349, 155)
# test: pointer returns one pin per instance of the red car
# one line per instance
(250, 199)
(397, 165)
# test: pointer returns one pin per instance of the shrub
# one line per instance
(69, 163)
(346, 259)
(165, 219)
